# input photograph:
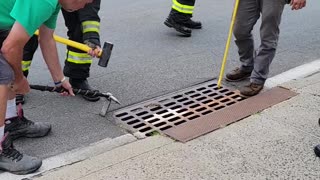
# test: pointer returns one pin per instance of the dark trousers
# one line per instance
(73, 70)
(182, 6)
(248, 14)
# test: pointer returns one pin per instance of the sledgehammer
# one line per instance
(104, 54)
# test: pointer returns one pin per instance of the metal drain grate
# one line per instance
(172, 110)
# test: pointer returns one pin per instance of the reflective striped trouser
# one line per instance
(77, 63)
(183, 6)
(28, 52)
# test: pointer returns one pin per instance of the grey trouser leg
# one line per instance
(248, 13)
(6, 72)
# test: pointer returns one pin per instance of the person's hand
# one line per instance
(298, 4)
(20, 86)
(95, 49)
(68, 88)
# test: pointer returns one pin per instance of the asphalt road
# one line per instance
(149, 60)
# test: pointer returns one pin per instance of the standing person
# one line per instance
(83, 27)
(180, 17)
(257, 67)
(18, 22)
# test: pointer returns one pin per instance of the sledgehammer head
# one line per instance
(106, 54)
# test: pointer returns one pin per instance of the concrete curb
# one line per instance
(294, 73)
(76, 155)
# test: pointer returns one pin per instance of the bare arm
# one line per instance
(12, 50)
(50, 55)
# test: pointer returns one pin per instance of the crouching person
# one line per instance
(18, 22)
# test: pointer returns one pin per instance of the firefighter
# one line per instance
(180, 17)
(83, 27)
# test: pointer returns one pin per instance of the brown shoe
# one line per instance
(237, 75)
(251, 89)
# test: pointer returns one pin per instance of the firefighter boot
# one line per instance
(192, 24)
(317, 150)
(20, 126)
(13, 161)
(84, 85)
(176, 20)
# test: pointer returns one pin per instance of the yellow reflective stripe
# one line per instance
(90, 26)
(26, 65)
(78, 58)
(186, 9)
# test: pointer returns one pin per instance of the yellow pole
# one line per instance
(71, 43)
(226, 51)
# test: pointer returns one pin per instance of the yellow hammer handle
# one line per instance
(70, 43)
(235, 10)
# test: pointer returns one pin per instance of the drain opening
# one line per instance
(163, 113)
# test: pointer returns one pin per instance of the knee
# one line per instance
(6, 72)
(241, 32)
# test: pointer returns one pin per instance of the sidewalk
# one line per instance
(274, 144)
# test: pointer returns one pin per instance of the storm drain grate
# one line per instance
(163, 113)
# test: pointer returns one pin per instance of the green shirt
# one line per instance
(31, 14)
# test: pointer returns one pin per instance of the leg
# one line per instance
(77, 64)
(3, 106)
(180, 17)
(11, 160)
(19, 126)
(28, 52)
(271, 11)
(247, 16)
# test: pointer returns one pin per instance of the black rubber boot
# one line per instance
(317, 150)
(84, 85)
(176, 20)
(192, 24)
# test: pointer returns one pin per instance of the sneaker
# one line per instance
(84, 85)
(13, 161)
(251, 89)
(237, 75)
(20, 99)
(20, 126)
(317, 150)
